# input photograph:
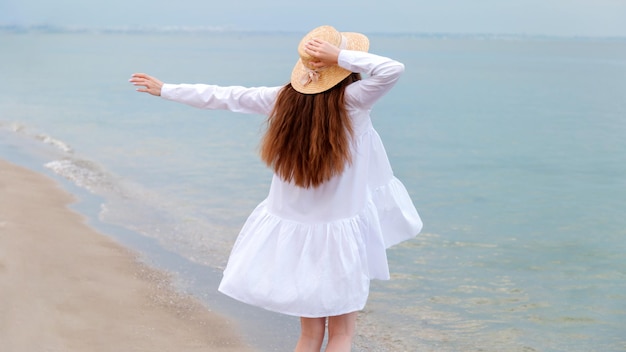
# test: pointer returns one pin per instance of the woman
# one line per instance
(312, 246)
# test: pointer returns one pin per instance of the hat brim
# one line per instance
(329, 76)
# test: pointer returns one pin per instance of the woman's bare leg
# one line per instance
(340, 332)
(312, 332)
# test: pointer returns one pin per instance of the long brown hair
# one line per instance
(309, 135)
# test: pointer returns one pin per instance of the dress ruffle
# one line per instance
(398, 217)
(318, 269)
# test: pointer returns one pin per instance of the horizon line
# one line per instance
(52, 28)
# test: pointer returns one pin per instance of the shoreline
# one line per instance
(65, 286)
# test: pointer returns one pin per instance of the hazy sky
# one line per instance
(552, 17)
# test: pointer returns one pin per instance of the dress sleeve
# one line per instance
(258, 100)
(382, 72)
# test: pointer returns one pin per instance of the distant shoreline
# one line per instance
(178, 29)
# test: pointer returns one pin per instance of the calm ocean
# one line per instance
(512, 148)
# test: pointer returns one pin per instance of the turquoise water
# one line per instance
(512, 149)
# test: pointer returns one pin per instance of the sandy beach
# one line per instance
(66, 287)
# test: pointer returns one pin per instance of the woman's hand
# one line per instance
(151, 84)
(324, 53)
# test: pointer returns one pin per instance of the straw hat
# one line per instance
(308, 80)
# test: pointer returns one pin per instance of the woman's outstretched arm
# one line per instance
(259, 100)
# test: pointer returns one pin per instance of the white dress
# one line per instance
(312, 252)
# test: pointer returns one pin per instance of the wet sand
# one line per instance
(66, 287)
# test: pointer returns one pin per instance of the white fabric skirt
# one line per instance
(320, 269)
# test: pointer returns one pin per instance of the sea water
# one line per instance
(512, 149)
